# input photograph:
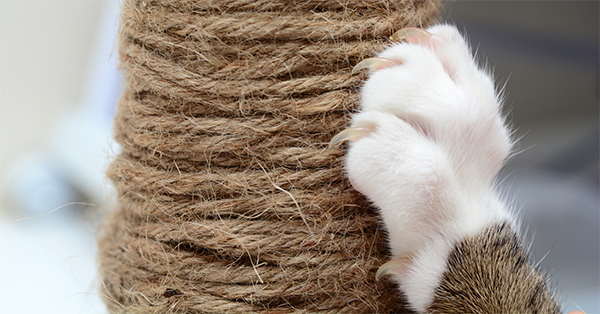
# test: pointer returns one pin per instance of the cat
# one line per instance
(426, 147)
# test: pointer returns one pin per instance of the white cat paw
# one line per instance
(427, 144)
(434, 84)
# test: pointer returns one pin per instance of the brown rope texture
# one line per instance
(230, 200)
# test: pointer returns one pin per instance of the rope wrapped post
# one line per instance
(230, 200)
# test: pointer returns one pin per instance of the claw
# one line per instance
(374, 64)
(412, 35)
(394, 267)
(350, 134)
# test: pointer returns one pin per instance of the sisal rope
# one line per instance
(230, 200)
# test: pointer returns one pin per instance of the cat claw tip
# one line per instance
(374, 64)
(350, 134)
(393, 267)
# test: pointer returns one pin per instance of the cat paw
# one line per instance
(431, 81)
(429, 138)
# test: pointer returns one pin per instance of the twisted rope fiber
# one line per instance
(230, 200)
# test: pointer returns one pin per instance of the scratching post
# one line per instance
(230, 200)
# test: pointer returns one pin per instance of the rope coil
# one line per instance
(230, 200)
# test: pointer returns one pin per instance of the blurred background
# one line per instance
(58, 88)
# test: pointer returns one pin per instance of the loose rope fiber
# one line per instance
(230, 200)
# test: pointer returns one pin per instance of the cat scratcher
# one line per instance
(230, 200)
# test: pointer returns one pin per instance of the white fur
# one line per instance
(438, 142)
